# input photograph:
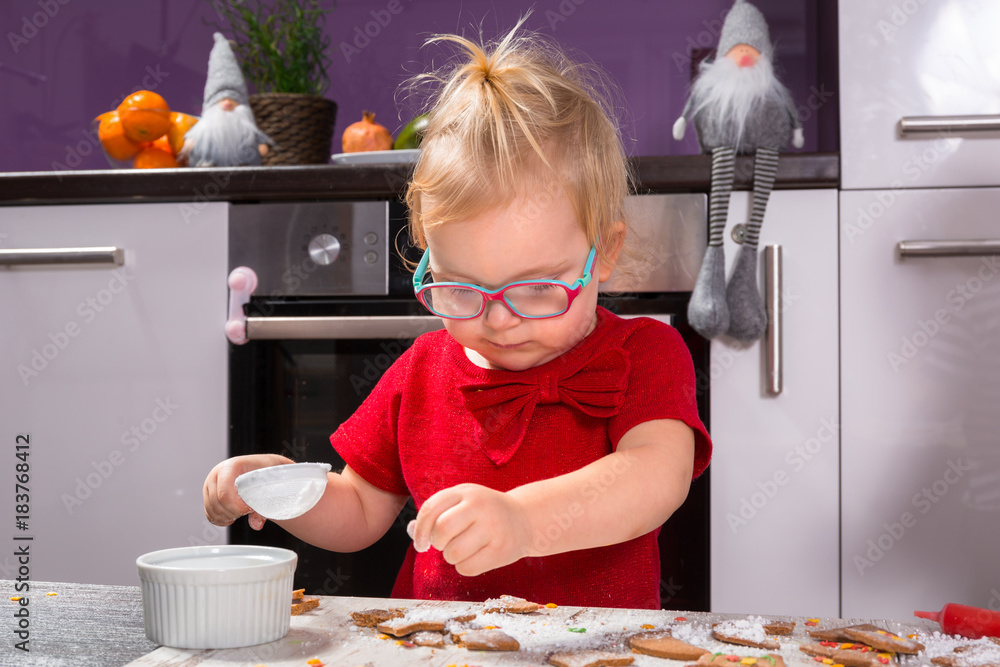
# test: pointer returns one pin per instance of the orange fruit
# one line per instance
(145, 116)
(111, 133)
(163, 144)
(180, 123)
(154, 157)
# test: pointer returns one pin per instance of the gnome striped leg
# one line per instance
(707, 311)
(747, 315)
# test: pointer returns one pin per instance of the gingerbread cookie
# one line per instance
(849, 654)
(402, 626)
(426, 638)
(884, 640)
(729, 660)
(974, 655)
(369, 618)
(510, 605)
(486, 640)
(660, 644)
(304, 604)
(590, 658)
(781, 628)
(840, 634)
(744, 632)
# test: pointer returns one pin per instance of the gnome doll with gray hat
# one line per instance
(738, 106)
(226, 135)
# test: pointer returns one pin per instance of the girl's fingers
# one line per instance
(256, 520)
(428, 515)
(450, 525)
(465, 546)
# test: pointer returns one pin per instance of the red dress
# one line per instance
(435, 420)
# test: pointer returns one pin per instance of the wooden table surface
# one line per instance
(328, 634)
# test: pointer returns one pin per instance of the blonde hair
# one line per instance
(509, 116)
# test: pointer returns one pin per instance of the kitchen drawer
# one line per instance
(916, 58)
(920, 379)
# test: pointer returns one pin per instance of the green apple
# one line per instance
(410, 136)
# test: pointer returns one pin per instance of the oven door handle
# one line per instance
(405, 327)
(400, 327)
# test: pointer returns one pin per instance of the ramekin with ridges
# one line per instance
(224, 596)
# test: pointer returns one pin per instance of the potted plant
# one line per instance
(282, 50)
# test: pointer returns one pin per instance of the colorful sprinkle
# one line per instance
(490, 627)
(884, 661)
(818, 658)
(316, 662)
(913, 636)
(770, 659)
(847, 646)
(680, 619)
(15, 598)
(647, 626)
(52, 593)
(812, 622)
(577, 629)
(733, 658)
(748, 661)
(383, 636)
(829, 643)
(827, 661)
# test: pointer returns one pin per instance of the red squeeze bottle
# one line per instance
(959, 619)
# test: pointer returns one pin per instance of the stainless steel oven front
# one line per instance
(322, 304)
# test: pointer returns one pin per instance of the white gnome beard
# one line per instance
(223, 138)
(730, 94)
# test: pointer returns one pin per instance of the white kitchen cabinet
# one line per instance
(775, 472)
(914, 58)
(920, 341)
(115, 376)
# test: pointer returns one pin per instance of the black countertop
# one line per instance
(664, 174)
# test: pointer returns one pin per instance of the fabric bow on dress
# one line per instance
(503, 407)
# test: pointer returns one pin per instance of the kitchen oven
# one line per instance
(325, 302)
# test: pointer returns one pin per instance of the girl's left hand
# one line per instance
(477, 529)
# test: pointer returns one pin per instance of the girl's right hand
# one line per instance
(222, 504)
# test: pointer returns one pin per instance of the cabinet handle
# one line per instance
(36, 256)
(968, 248)
(910, 125)
(774, 382)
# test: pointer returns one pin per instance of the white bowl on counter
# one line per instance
(224, 596)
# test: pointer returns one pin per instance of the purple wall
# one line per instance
(63, 62)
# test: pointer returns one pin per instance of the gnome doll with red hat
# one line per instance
(738, 106)
(226, 135)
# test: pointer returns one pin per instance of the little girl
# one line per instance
(543, 439)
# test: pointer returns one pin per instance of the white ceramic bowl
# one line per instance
(223, 596)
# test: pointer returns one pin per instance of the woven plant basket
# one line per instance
(301, 127)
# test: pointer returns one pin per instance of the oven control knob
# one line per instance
(324, 249)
